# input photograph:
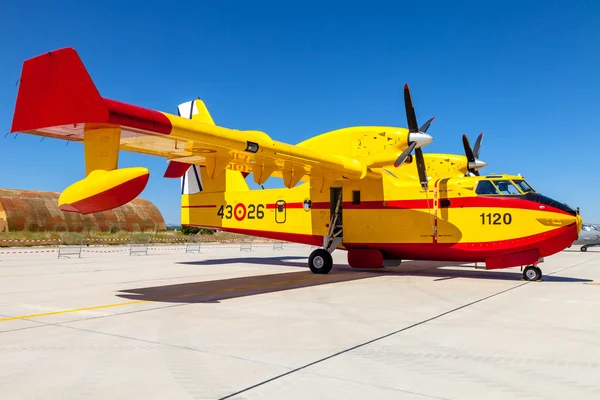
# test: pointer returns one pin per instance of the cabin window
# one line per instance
(356, 197)
(506, 187)
(486, 187)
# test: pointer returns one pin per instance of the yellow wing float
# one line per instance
(58, 99)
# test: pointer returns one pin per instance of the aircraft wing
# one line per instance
(58, 99)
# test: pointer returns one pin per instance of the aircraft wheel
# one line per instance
(532, 273)
(583, 248)
(320, 261)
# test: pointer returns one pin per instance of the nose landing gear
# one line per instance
(532, 273)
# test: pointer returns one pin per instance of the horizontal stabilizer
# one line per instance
(176, 169)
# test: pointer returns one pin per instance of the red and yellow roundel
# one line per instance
(239, 211)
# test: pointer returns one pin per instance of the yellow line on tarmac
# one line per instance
(129, 303)
(591, 283)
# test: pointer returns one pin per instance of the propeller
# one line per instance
(416, 137)
(474, 163)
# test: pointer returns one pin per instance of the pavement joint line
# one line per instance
(133, 302)
(378, 386)
(379, 338)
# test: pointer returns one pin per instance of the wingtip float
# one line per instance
(104, 190)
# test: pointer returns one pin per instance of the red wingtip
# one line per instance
(406, 86)
(56, 90)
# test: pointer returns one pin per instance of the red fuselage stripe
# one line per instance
(547, 243)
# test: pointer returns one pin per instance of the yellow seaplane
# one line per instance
(368, 190)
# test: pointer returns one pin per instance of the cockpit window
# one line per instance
(506, 187)
(486, 187)
(589, 228)
(524, 186)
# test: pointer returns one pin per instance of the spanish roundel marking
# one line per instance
(239, 211)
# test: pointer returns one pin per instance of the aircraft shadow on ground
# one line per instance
(216, 290)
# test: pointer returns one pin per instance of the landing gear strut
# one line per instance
(320, 261)
(532, 273)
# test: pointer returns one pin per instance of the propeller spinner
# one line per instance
(475, 164)
(416, 139)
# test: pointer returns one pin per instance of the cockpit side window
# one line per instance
(506, 187)
(524, 186)
(486, 187)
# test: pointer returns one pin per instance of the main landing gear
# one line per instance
(320, 261)
(532, 273)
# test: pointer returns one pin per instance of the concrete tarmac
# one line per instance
(259, 325)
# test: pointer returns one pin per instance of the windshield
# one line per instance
(486, 187)
(506, 187)
(524, 186)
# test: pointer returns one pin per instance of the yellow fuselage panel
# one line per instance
(387, 210)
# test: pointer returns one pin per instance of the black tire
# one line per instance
(532, 273)
(583, 248)
(392, 263)
(320, 261)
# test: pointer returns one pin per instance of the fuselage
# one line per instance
(460, 218)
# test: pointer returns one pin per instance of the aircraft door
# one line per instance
(280, 211)
(335, 196)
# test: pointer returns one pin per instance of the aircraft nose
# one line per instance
(422, 139)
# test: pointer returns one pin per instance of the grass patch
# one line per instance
(28, 239)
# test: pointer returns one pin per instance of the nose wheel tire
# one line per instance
(532, 273)
(320, 261)
(583, 248)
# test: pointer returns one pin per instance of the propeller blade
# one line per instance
(402, 157)
(421, 168)
(476, 173)
(426, 125)
(477, 145)
(411, 118)
(468, 151)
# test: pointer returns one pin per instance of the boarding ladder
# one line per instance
(334, 234)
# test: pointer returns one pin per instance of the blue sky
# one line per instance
(525, 73)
